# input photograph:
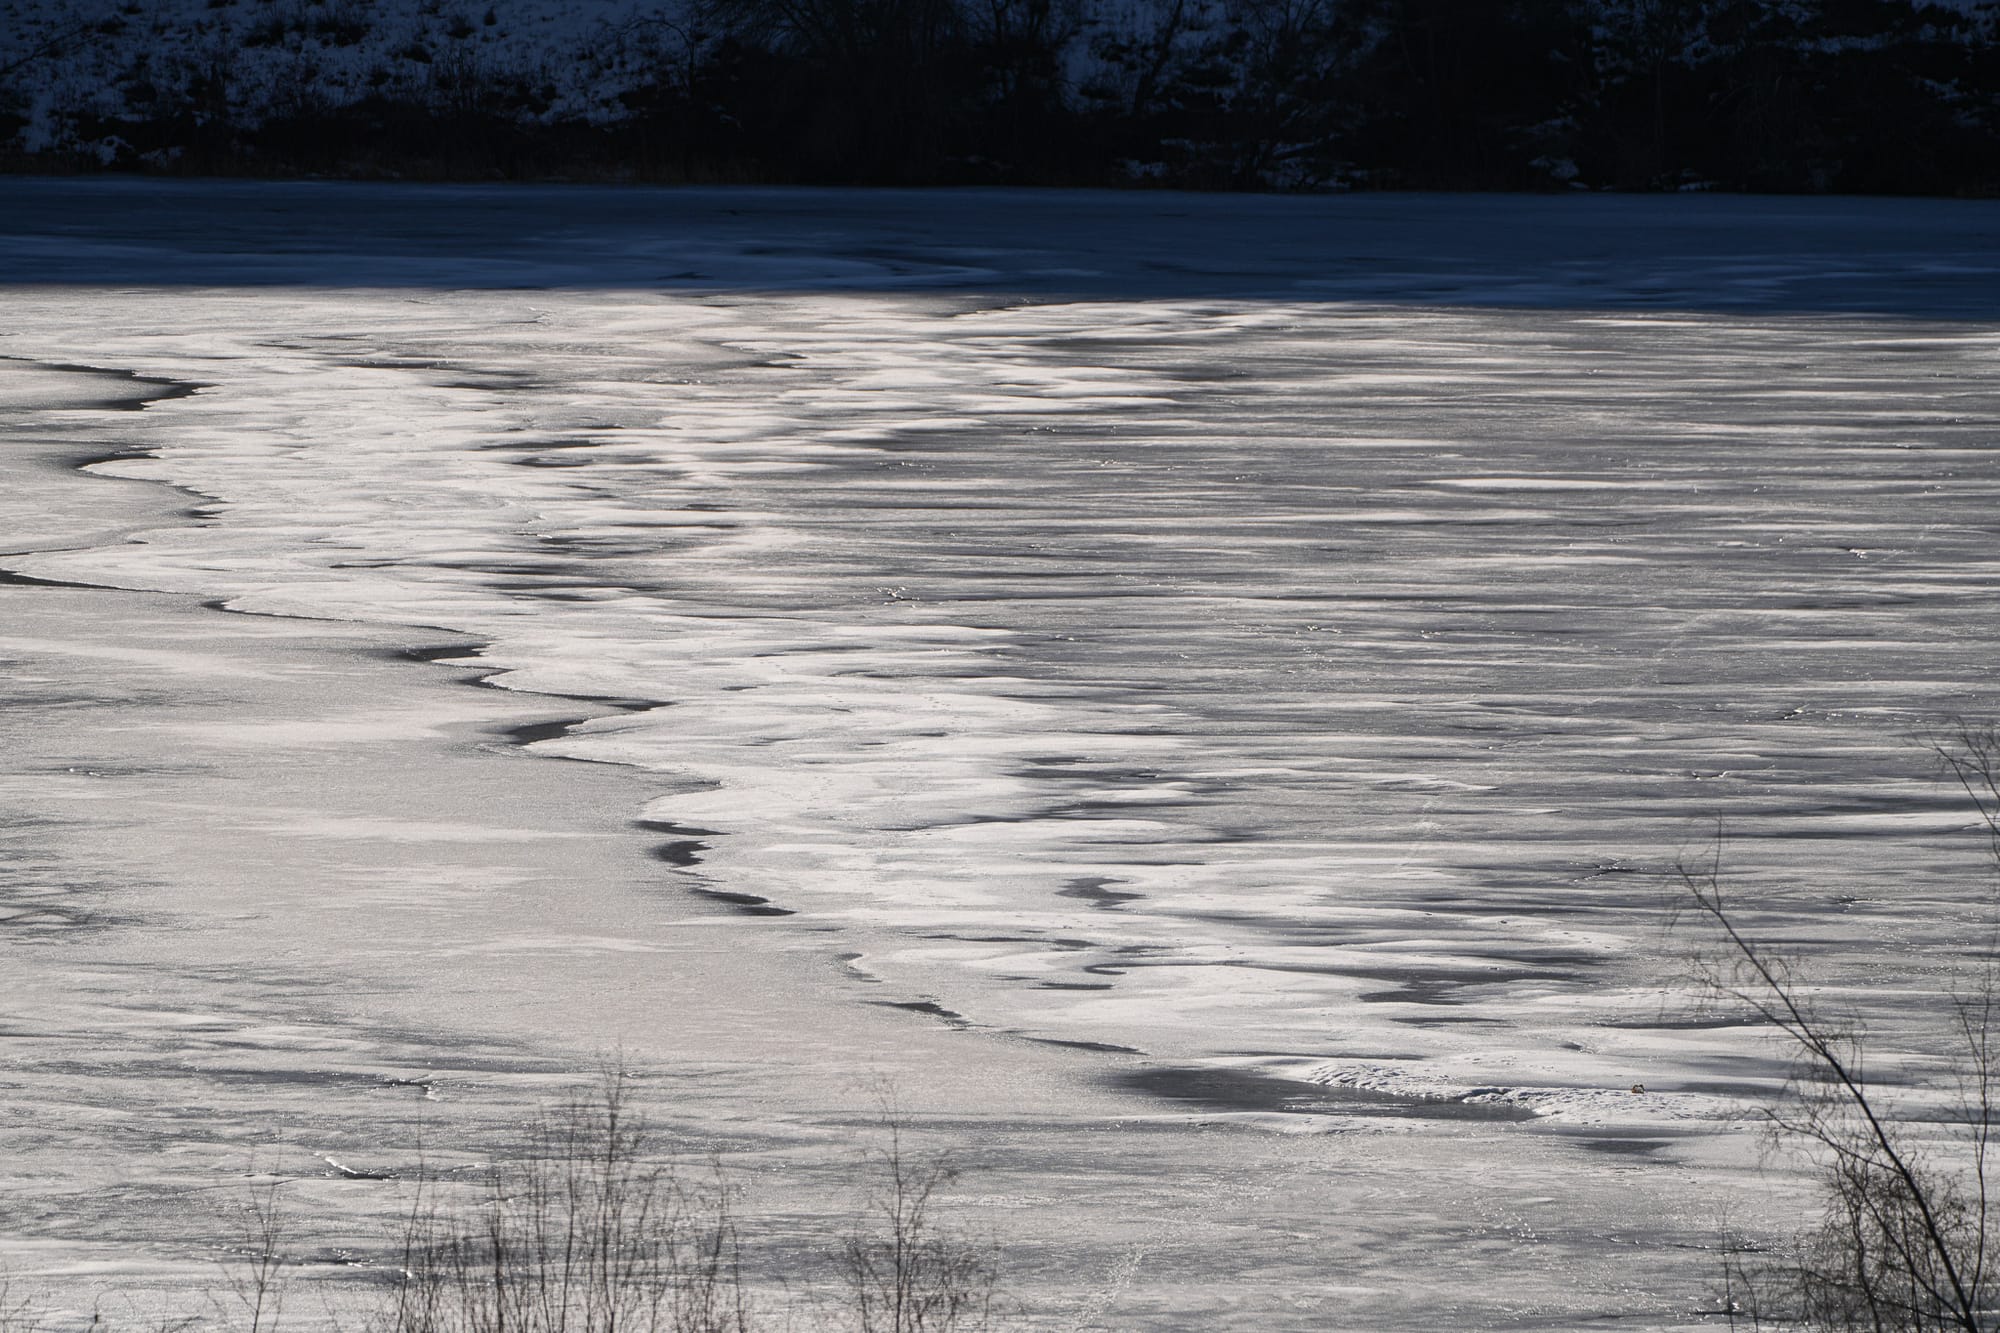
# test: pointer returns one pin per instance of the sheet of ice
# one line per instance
(1936, 257)
(1190, 663)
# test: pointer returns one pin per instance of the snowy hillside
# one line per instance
(1858, 96)
(88, 63)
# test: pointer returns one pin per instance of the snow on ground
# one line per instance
(101, 57)
(1271, 649)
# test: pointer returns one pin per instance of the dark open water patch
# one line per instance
(527, 733)
(124, 390)
(9, 578)
(536, 446)
(1421, 991)
(749, 904)
(685, 853)
(678, 830)
(114, 456)
(1111, 1047)
(439, 652)
(1097, 891)
(929, 1007)
(1626, 1147)
(1242, 1090)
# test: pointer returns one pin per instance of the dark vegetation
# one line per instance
(1781, 95)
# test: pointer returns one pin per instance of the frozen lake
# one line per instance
(1195, 694)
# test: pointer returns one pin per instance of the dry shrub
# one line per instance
(589, 1229)
(256, 1283)
(584, 1231)
(902, 1271)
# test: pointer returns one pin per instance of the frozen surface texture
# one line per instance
(1270, 649)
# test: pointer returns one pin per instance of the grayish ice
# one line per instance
(1200, 695)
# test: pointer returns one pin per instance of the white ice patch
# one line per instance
(1633, 1106)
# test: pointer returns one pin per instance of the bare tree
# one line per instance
(1905, 1242)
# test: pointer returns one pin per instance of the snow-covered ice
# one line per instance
(1252, 661)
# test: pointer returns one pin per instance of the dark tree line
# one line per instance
(1788, 95)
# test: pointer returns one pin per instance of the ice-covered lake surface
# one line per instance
(1227, 665)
